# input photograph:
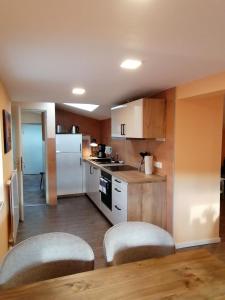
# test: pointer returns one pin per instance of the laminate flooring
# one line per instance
(76, 215)
(33, 195)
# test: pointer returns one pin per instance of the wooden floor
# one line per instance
(73, 215)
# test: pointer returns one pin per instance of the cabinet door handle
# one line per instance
(124, 129)
(117, 181)
(91, 170)
(121, 129)
(117, 190)
(117, 207)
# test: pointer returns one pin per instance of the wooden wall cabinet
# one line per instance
(143, 119)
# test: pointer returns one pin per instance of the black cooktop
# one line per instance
(120, 168)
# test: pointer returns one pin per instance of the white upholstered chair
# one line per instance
(133, 241)
(43, 257)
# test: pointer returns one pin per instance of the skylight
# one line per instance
(87, 107)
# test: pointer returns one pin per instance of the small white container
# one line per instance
(148, 160)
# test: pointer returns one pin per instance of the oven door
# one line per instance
(107, 198)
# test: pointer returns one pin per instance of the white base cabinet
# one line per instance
(119, 201)
(92, 178)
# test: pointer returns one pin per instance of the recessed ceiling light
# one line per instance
(131, 64)
(87, 107)
(78, 91)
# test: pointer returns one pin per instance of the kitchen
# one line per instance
(131, 99)
(125, 189)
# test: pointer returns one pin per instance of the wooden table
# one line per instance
(187, 275)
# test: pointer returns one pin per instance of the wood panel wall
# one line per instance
(88, 126)
(105, 132)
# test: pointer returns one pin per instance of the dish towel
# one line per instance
(103, 185)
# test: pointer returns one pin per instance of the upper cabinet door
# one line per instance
(140, 119)
(118, 118)
(134, 120)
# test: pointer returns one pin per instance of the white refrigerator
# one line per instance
(69, 164)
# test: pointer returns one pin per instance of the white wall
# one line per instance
(29, 117)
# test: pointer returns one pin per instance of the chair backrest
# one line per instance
(43, 257)
(133, 241)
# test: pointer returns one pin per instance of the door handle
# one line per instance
(117, 207)
(91, 171)
(80, 162)
(21, 164)
(117, 190)
(117, 181)
(80, 147)
(121, 129)
(124, 129)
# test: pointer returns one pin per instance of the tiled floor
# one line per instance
(32, 193)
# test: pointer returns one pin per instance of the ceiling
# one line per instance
(47, 47)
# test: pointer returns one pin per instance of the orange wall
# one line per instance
(6, 161)
(208, 85)
(198, 141)
(88, 126)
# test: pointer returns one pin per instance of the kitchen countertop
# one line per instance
(129, 176)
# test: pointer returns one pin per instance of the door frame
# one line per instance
(43, 158)
(50, 160)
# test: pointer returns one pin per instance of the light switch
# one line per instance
(158, 164)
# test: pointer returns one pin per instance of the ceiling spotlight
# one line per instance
(131, 64)
(78, 91)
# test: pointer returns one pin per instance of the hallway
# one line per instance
(33, 195)
(75, 215)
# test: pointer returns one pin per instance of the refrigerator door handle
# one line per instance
(80, 161)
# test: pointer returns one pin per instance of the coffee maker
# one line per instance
(101, 151)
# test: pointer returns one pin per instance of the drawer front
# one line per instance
(119, 216)
(119, 183)
(119, 197)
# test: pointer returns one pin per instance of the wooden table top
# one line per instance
(192, 275)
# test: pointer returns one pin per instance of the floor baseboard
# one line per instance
(197, 243)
